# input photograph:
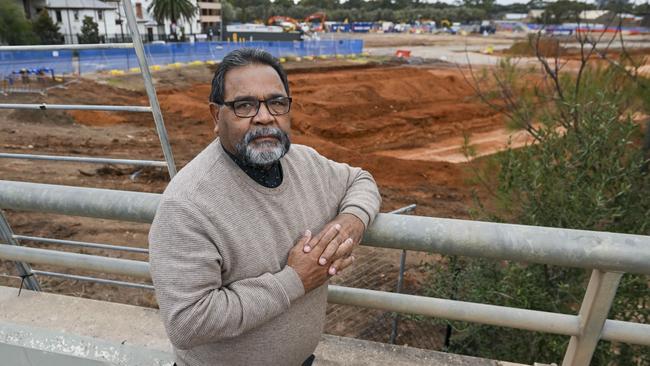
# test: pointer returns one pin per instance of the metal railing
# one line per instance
(608, 255)
(154, 106)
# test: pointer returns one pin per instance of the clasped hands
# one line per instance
(316, 258)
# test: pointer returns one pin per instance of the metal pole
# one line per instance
(81, 244)
(88, 262)
(533, 320)
(400, 281)
(24, 270)
(59, 47)
(94, 279)
(81, 107)
(151, 91)
(400, 277)
(84, 159)
(593, 314)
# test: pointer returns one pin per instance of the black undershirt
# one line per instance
(269, 177)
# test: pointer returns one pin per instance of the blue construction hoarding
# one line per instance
(89, 61)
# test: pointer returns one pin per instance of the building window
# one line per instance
(59, 19)
(76, 15)
(100, 15)
(138, 10)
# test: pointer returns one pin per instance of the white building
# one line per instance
(110, 17)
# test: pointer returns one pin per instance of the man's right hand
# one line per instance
(306, 265)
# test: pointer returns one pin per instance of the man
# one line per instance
(239, 277)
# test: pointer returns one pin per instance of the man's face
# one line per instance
(264, 138)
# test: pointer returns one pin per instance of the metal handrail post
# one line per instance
(24, 270)
(151, 91)
(400, 278)
(593, 314)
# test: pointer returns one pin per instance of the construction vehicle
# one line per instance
(316, 21)
(288, 24)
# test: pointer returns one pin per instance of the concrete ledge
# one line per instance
(48, 329)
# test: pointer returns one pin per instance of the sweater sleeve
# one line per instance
(357, 189)
(186, 270)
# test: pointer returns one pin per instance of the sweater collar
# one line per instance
(269, 177)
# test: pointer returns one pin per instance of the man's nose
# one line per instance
(263, 115)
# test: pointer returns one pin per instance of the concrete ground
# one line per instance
(48, 329)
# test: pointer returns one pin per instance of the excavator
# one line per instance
(316, 21)
(288, 24)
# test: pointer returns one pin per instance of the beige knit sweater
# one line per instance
(218, 251)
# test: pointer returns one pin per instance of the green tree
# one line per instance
(15, 29)
(563, 11)
(172, 10)
(46, 29)
(89, 31)
(584, 171)
(228, 12)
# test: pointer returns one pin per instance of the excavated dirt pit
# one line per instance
(404, 124)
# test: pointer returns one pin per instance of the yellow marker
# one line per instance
(155, 67)
(283, 60)
(134, 69)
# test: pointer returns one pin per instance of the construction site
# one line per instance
(403, 119)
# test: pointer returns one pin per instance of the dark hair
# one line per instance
(243, 57)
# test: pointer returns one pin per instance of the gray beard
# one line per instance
(263, 153)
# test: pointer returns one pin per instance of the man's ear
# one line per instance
(214, 112)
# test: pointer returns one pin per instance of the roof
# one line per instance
(592, 14)
(515, 16)
(79, 4)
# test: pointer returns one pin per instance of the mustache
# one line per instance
(264, 131)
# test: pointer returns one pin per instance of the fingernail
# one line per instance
(332, 271)
(322, 261)
(337, 227)
(349, 241)
(306, 249)
(353, 258)
(307, 233)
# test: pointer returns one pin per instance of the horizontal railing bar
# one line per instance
(411, 304)
(85, 159)
(405, 209)
(58, 47)
(563, 247)
(533, 320)
(95, 263)
(81, 107)
(93, 279)
(626, 332)
(81, 244)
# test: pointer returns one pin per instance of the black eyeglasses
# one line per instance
(249, 108)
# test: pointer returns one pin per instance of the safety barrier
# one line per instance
(93, 60)
(608, 255)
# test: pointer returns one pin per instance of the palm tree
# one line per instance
(173, 10)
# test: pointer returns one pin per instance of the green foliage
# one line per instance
(172, 10)
(46, 30)
(364, 13)
(89, 31)
(15, 29)
(563, 11)
(585, 170)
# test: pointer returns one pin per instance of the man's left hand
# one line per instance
(336, 241)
